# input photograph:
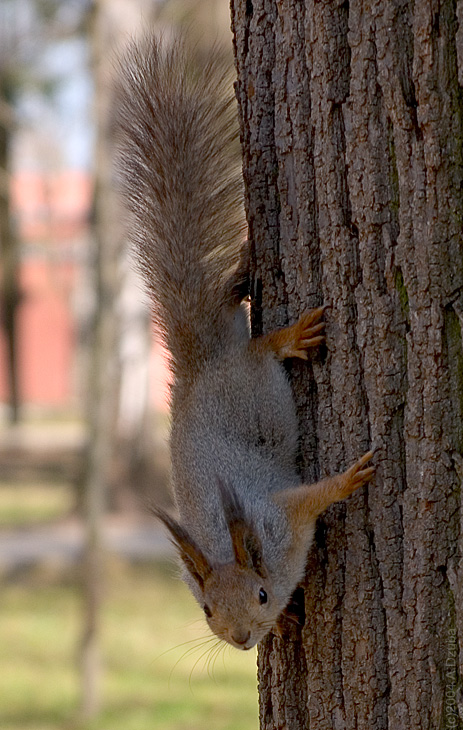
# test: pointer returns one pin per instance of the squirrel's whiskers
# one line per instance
(217, 646)
(208, 643)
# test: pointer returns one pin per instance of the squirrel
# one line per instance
(245, 520)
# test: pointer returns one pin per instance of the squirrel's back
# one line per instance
(180, 172)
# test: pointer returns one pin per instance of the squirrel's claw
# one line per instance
(305, 333)
(295, 340)
(356, 476)
(311, 315)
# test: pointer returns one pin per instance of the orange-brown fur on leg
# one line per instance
(295, 340)
(303, 504)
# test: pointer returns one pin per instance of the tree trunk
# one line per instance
(109, 26)
(104, 372)
(9, 259)
(352, 117)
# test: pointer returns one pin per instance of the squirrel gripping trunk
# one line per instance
(245, 521)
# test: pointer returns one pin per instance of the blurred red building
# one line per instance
(51, 221)
(51, 216)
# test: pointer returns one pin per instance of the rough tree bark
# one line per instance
(352, 133)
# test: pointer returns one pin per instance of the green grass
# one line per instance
(21, 504)
(149, 678)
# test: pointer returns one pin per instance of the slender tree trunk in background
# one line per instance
(104, 365)
(133, 466)
(352, 125)
(118, 320)
(10, 272)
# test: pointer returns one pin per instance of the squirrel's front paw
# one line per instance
(357, 475)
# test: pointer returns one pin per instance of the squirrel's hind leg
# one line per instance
(295, 340)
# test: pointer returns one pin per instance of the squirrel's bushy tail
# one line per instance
(180, 171)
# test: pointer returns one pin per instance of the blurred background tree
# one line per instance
(9, 249)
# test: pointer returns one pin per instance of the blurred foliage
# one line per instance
(27, 27)
(156, 676)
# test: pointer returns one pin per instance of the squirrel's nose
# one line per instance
(241, 636)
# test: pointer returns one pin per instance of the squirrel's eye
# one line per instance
(207, 611)
(262, 596)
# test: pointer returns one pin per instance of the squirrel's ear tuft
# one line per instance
(192, 557)
(246, 544)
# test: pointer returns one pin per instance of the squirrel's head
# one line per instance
(237, 597)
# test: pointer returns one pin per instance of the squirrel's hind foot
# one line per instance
(295, 340)
(305, 333)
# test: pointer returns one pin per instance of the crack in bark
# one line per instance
(382, 662)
